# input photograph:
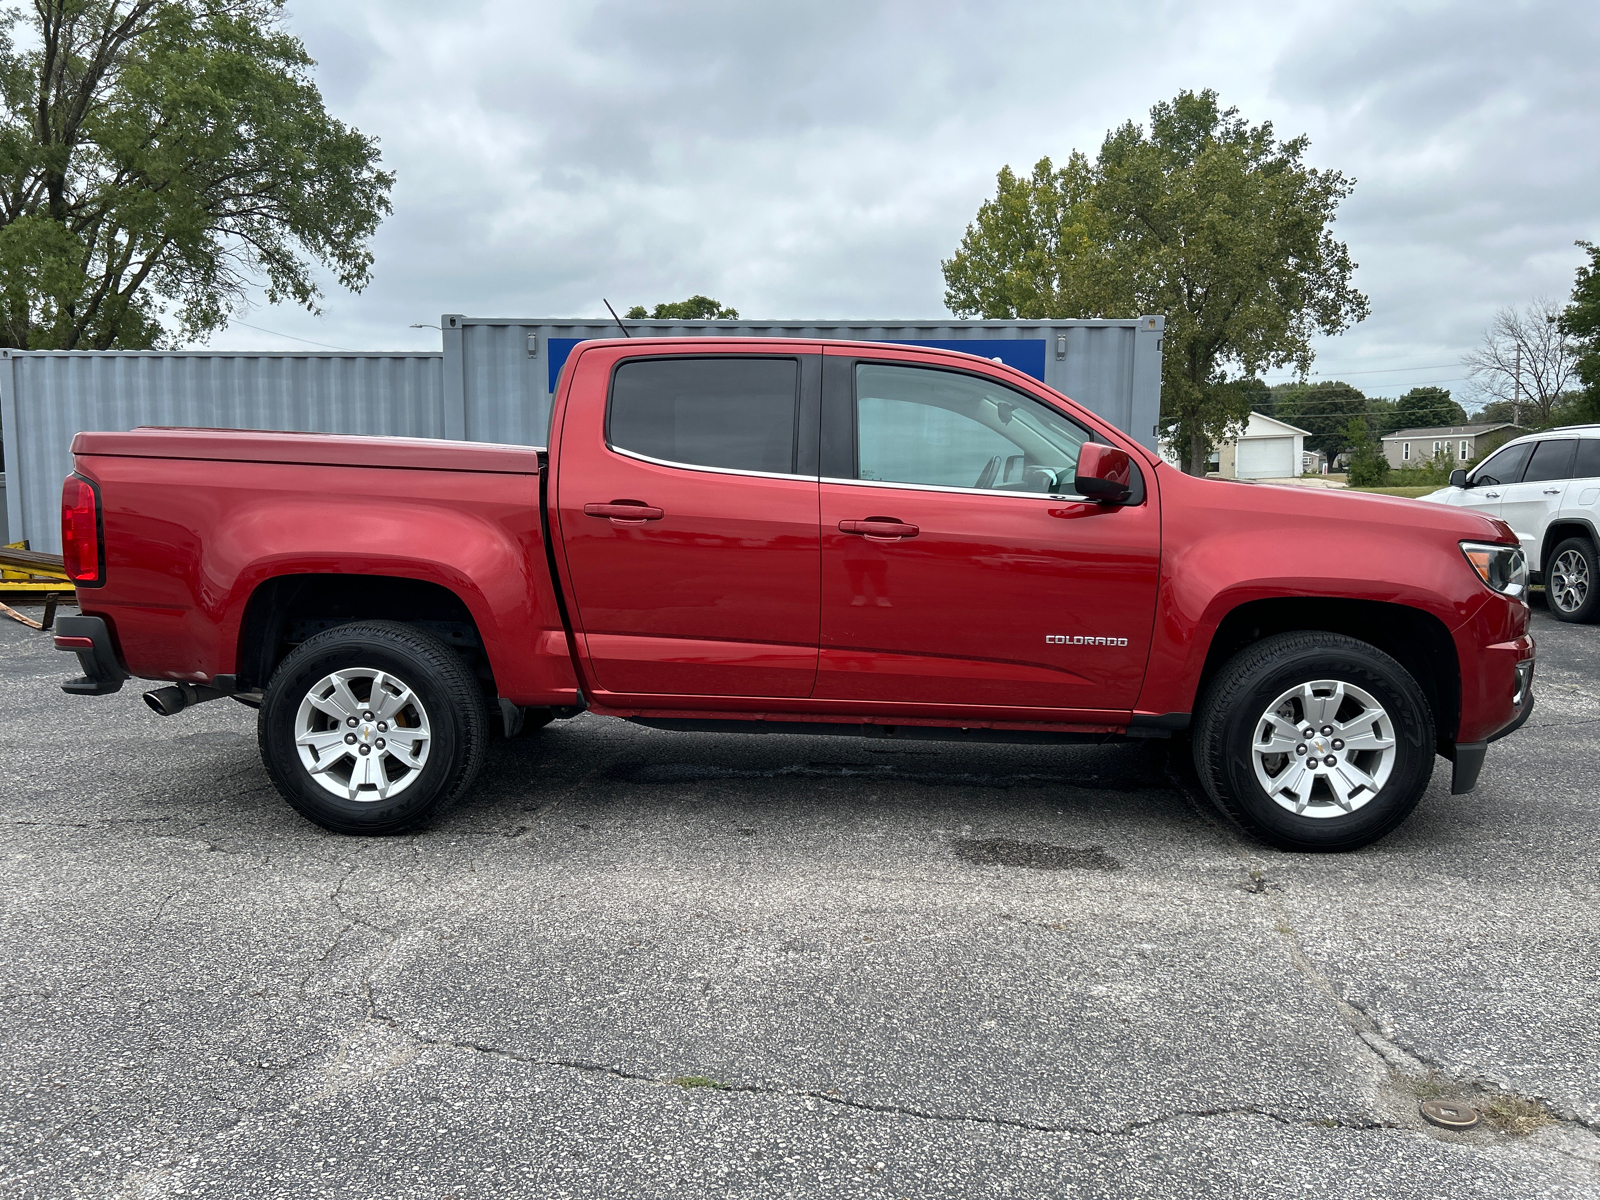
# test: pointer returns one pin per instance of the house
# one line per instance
(1267, 448)
(1460, 444)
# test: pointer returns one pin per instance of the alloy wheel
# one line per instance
(1323, 748)
(363, 734)
(1569, 581)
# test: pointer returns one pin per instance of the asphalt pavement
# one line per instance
(637, 964)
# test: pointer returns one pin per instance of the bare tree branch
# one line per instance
(1524, 358)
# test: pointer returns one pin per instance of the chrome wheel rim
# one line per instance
(362, 734)
(1323, 749)
(1569, 581)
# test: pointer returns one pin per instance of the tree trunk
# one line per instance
(1199, 452)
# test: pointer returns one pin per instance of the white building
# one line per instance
(1267, 448)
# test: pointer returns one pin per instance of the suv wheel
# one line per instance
(1315, 741)
(1570, 581)
(370, 727)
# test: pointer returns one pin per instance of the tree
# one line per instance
(156, 156)
(1368, 466)
(1525, 358)
(1205, 218)
(1580, 321)
(1424, 408)
(695, 308)
(1324, 410)
(1258, 394)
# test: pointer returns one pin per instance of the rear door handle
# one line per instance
(1552, 491)
(624, 512)
(880, 529)
(1491, 495)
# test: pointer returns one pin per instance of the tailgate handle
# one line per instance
(880, 529)
(624, 512)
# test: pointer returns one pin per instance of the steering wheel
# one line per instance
(987, 475)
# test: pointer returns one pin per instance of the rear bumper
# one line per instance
(102, 673)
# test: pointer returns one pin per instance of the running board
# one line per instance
(905, 733)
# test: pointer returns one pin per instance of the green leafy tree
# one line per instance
(695, 308)
(1368, 466)
(1580, 321)
(156, 157)
(1259, 396)
(1205, 218)
(1424, 408)
(1324, 410)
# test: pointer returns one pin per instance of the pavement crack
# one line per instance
(616, 1071)
(1398, 1057)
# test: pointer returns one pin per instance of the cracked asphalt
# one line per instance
(640, 964)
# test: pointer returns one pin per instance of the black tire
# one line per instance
(441, 682)
(1581, 574)
(1238, 698)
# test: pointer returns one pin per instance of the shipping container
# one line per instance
(492, 382)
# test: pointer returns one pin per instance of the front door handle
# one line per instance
(880, 529)
(624, 512)
(1491, 495)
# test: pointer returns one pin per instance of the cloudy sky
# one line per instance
(818, 160)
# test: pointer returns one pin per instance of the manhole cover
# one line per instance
(1448, 1114)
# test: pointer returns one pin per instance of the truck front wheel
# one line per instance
(1315, 741)
(369, 727)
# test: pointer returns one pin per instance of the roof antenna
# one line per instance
(614, 317)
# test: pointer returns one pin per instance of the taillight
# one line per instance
(81, 540)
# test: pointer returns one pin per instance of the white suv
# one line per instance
(1546, 486)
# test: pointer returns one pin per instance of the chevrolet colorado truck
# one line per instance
(799, 536)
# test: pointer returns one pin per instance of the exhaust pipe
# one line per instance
(174, 699)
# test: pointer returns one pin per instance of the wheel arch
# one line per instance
(284, 610)
(1418, 640)
(1559, 531)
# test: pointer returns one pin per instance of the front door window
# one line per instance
(942, 429)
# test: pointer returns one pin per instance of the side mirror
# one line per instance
(1458, 478)
(1105, 474)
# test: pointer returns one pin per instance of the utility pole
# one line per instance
(1516, 388)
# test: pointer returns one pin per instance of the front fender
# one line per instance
(1225, 545)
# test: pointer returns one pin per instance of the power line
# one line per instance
(1383, 370)
(292, 338)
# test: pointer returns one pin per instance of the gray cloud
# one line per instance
(819, 161)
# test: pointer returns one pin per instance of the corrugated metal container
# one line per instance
(508, 368)
(492, 383)
(46, 397)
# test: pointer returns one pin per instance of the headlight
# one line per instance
(1503, 568)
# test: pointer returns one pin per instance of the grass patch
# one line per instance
(1409, 492)
(1504, 1114)
(701, 1081)
(1513, 1114)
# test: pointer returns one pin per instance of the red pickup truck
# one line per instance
(818, 537)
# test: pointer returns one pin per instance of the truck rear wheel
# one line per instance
(1315, 741)
(370, 727)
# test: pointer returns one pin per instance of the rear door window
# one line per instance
(1503, 467)
(1587, 465)
(733, 413)
(1551, 460)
